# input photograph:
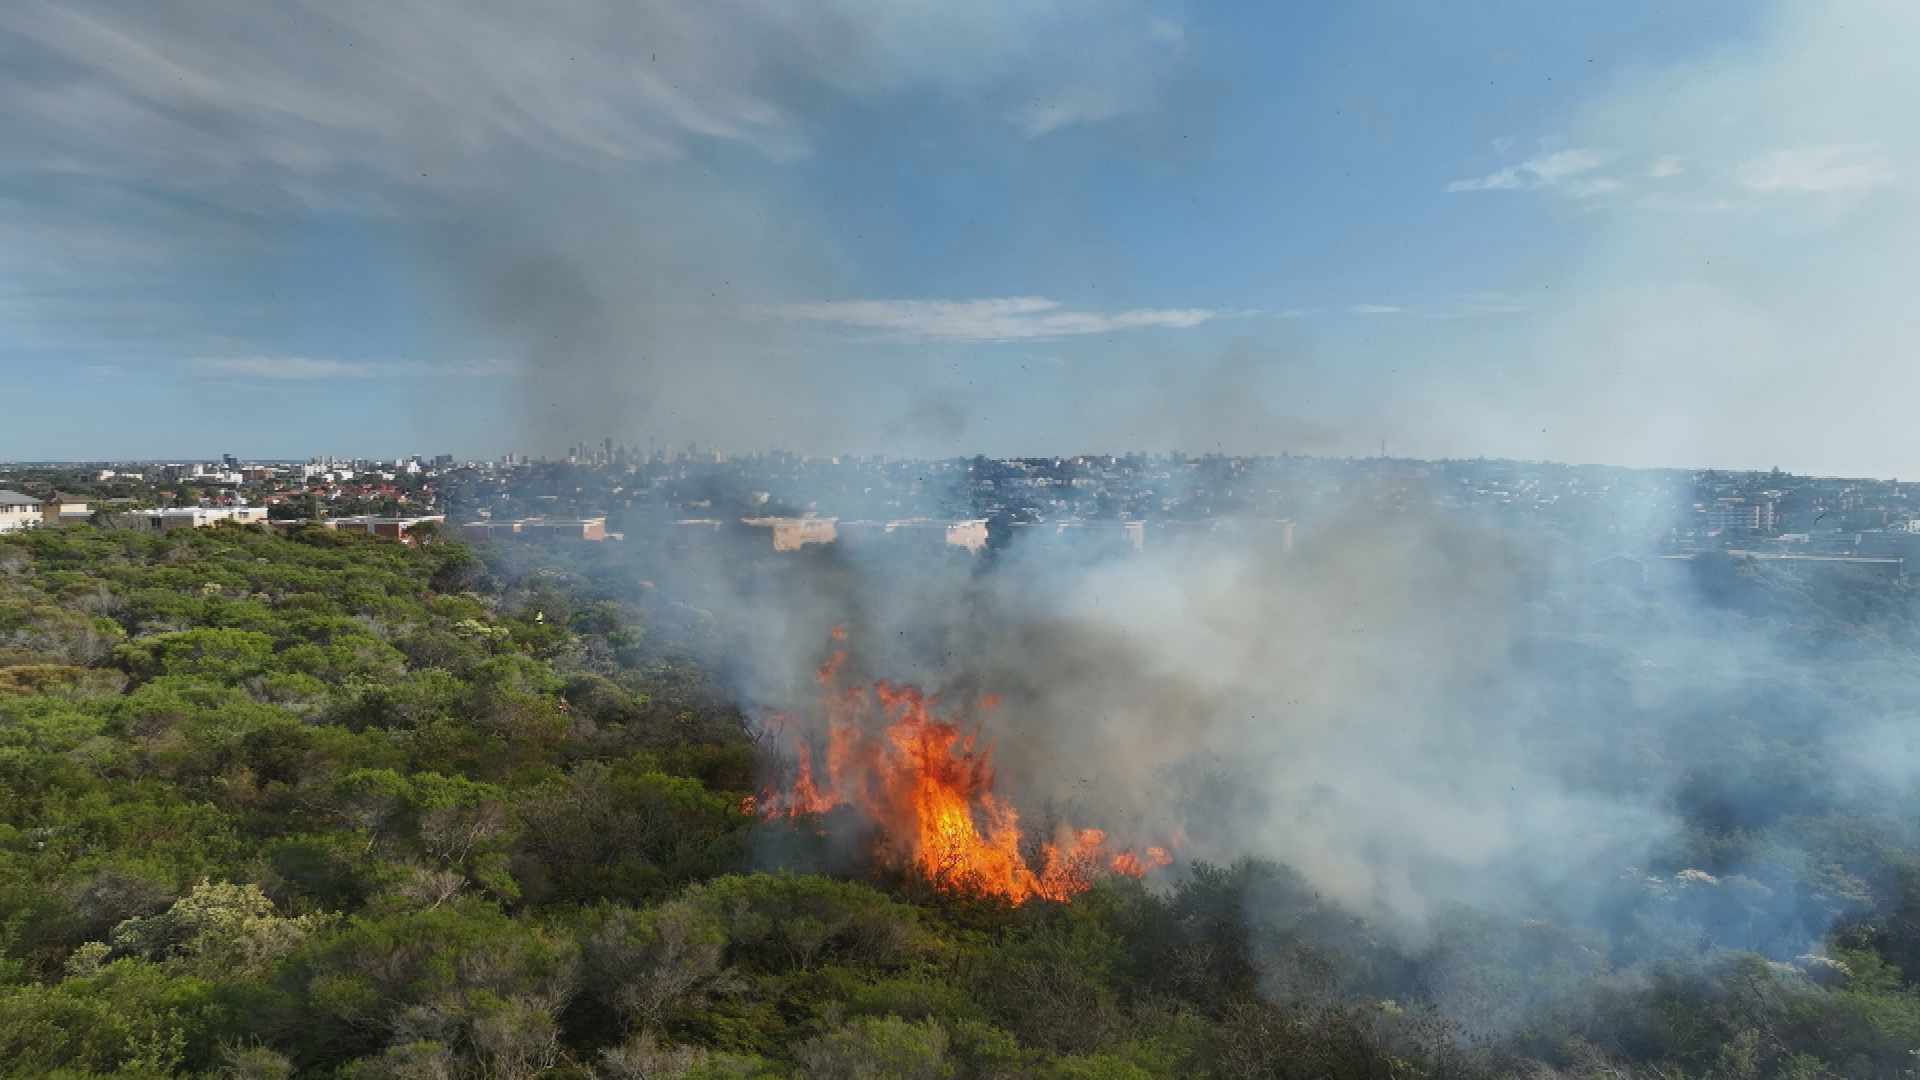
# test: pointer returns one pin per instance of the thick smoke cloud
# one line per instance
(1354, 709)
(1424, 712)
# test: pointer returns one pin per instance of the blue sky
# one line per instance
(1645, 233)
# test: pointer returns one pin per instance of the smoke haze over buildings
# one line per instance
(1420, 709)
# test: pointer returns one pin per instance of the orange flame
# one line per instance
(1132, 865)
(892, 758)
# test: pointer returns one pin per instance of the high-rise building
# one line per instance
(1740, 515)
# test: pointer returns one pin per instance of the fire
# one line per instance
(1134, 866)
(929, 786)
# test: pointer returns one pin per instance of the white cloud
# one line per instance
(1467, 307)
(300, 367)
(1499, 180)
(1086, 88)
(1477, 305)
(1561, 165)
(1668, 165)
(1806, 170)
(1815, 170)
(1063, 110)
(279, 367)
(1687, 204)
(1014, 318)
(1592, 187)
(1545, 170)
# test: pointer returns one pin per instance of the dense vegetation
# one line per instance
(328, 806)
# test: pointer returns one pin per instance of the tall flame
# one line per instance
(930, 788)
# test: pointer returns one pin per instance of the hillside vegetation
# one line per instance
(322, 805)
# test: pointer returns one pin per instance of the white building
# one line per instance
(198, 517)
(1740, 514)
(18, 511)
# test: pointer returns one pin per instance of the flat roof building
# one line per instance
(792, 534)
(968, 535)
(393, 528)
(197, 517)
(536, 529)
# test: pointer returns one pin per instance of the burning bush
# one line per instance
(927, 787)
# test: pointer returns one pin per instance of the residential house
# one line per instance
(60, 508)
(18, 511)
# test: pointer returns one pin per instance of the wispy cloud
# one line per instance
(289, 98)
(1816, 169)
(1467, 307)
(1068, 96)
(1013, 318)
(1552, 169)
(1477, 305)
(300, 367)
(1801, 171)
(1668, 166)
(1687, 204)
